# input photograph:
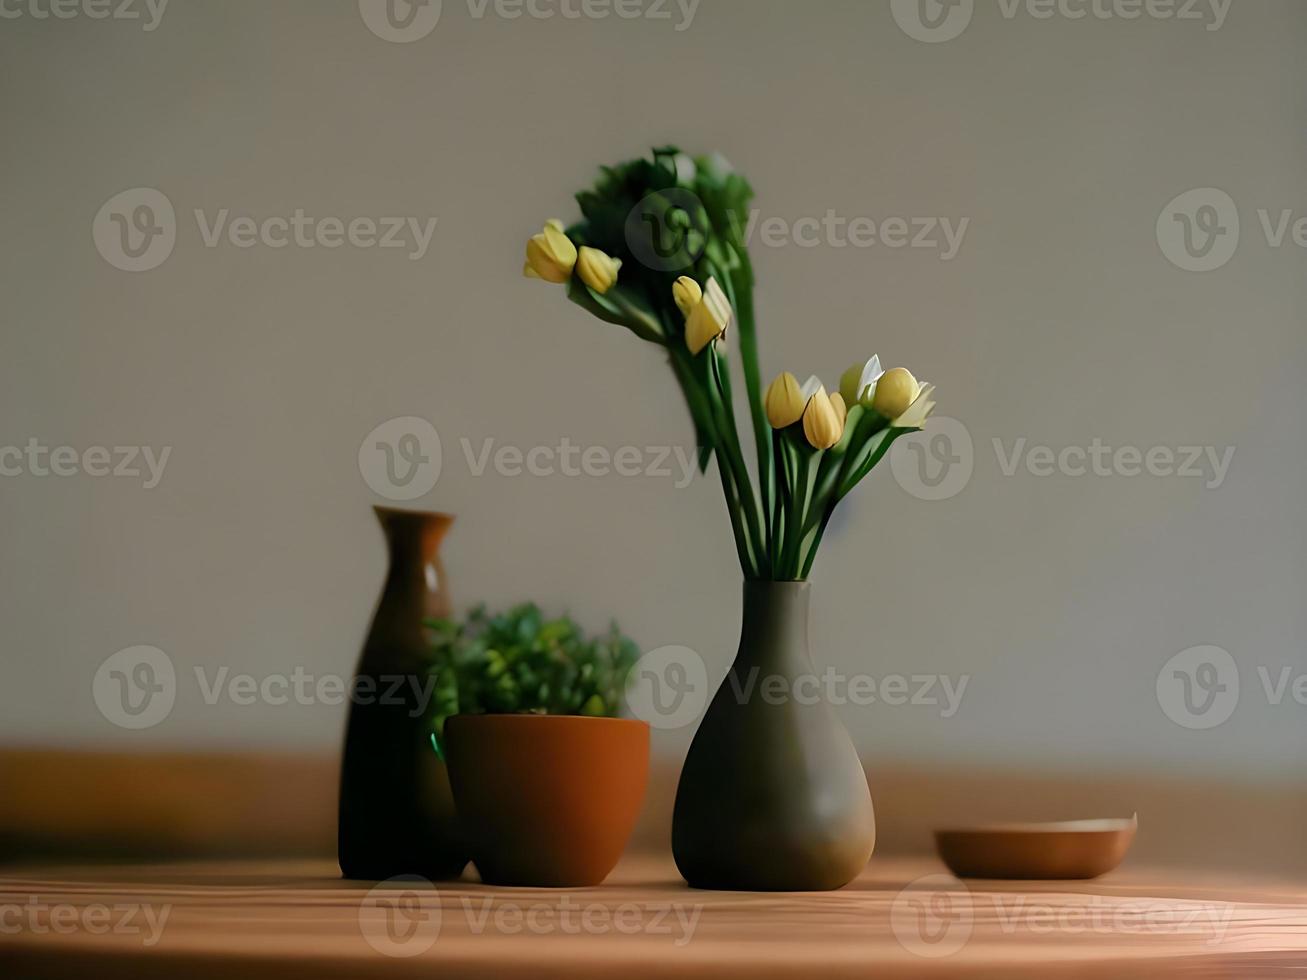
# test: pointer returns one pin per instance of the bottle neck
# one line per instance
(774, 633)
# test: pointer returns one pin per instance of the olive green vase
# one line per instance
(396, 807)
(772, 796)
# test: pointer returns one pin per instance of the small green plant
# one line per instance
(520, 662)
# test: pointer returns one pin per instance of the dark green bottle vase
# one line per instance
(396, 813)
(772, 796)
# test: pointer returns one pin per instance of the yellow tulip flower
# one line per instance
(687, 294)
(920, 409)
(784, 401)
(822, 423)
(597, 269)
(550, 255)
(895, 391)
(841, 410)
(708, 319)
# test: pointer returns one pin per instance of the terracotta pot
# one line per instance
(396, 811)
(547, 800)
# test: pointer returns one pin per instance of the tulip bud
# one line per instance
(550, 255)
(687, 294)
(597, 269)
(784, 401)
(822, 424)
(841, 411)
(858, 383)
(708, 319)
(896, 390)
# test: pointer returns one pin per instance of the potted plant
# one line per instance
(547, 781)
(772, 794)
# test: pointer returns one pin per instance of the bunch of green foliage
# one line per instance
(520, 662)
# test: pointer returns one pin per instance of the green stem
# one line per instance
(744, 485)
(748, 332)
(802, 470)
(701, 410)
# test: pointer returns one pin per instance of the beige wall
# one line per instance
(1059, 321)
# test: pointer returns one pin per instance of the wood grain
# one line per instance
(296, 919)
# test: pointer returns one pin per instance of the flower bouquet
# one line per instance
(772, 794)
(660, 250)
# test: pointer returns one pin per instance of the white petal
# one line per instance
(871, 373)
(810, 388)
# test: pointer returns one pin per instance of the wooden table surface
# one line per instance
(901, 918)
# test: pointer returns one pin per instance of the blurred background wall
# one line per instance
(1055, 316)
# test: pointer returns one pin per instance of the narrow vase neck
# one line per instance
(774, 634)
(416, 577)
